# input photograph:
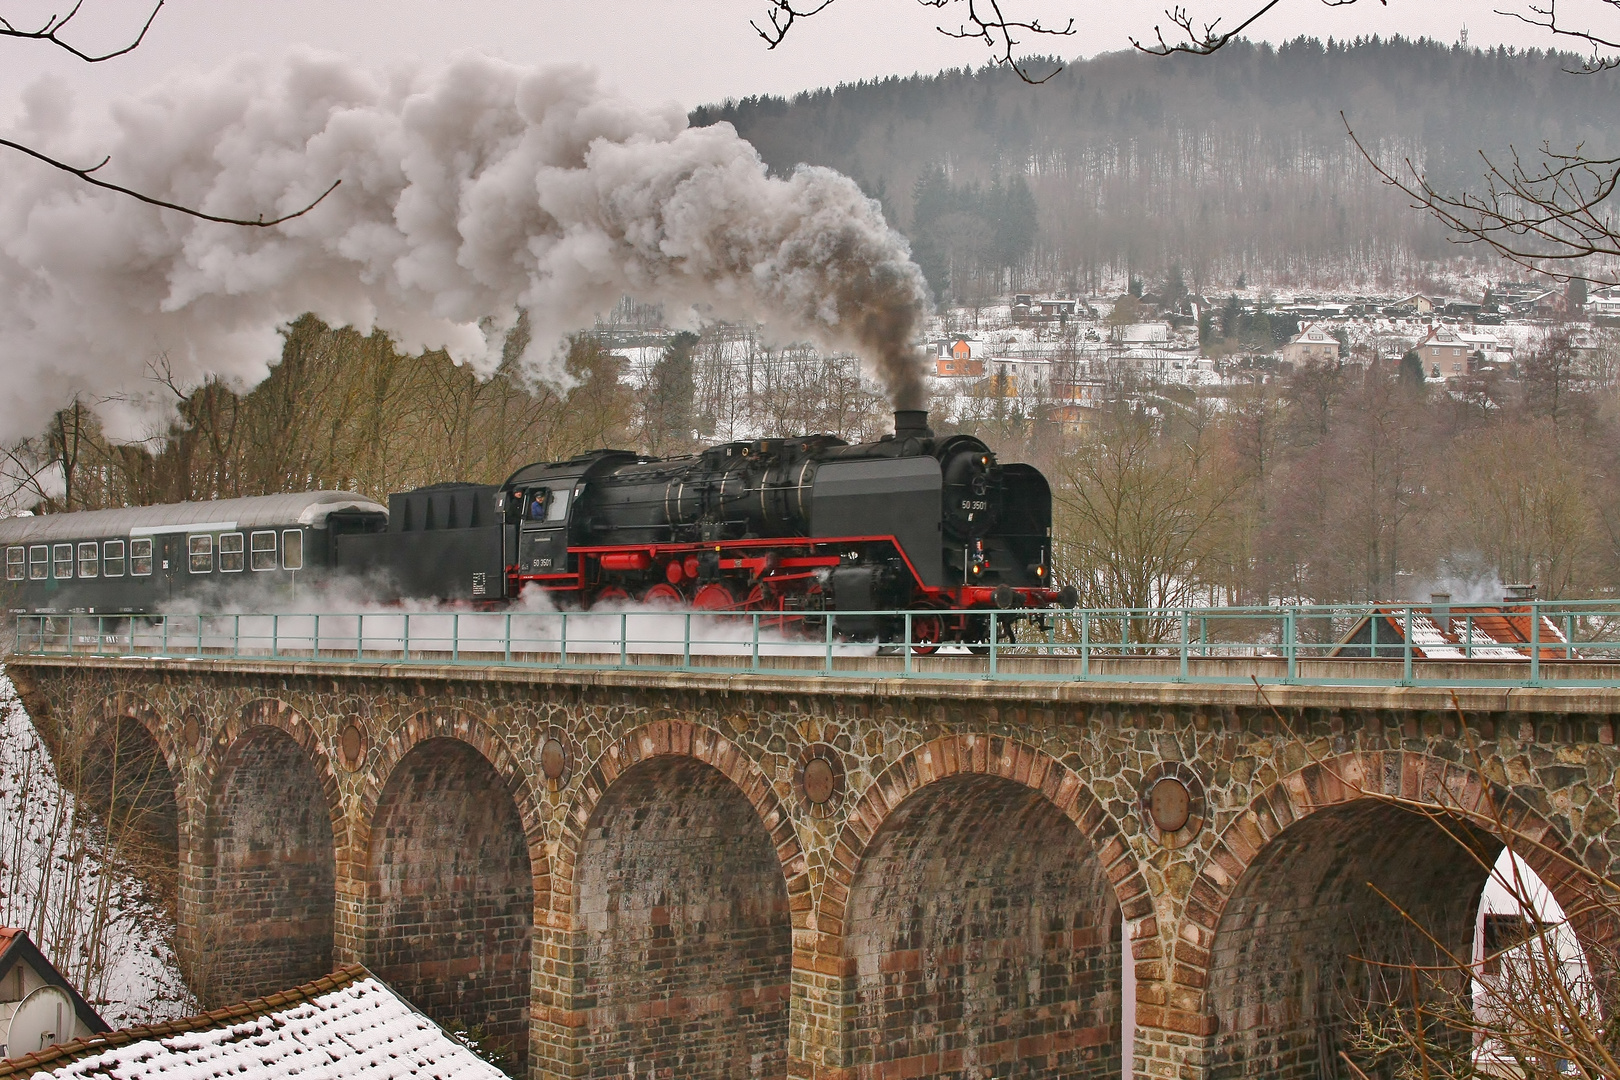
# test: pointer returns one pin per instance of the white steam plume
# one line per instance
(468, 193)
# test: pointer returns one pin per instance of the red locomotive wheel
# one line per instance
(662, 595)
(714, 597)
(611, 595)
(926, 632)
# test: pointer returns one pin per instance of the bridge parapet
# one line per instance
(842, 875)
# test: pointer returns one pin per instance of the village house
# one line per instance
(1445, 355)
(1311, 345)
(348, 1024)
(959, 358)
(1417, 303)
(39, 1008)
(1017, 377)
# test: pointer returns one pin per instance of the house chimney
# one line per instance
(1440, 610)
(1519, 594)
(911, 424)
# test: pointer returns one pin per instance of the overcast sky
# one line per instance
(691, 51)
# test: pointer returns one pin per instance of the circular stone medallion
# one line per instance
(553, 759)
(352, 742)
(1170, 804)
(1173, 804)
(820, 782)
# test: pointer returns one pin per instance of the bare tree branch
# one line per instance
(87, 176)
(985, 22)
(1547, 19)
(54, 25)
(1550, 218)
(1208, 39)
(50, 33)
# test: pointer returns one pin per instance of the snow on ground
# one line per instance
(94, 920)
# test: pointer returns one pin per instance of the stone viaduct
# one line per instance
(826, 877)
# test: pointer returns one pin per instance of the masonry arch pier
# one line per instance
(124, 774)
(983, 934)
(682, 920)
(269, 889)
(1349, 865)
(451, 893)
(589, 864)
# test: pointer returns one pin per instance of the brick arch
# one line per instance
(218, 762)
(968, 864)
(680, 880)
(1281, 900)
(989, 755)
(678, 738)
(463, 726)
(124, 705)
(272, 837)
(1337, 781)
(447, 904)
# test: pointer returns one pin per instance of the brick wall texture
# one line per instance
(451, 908)
(270, 907)
(672, 904)
(683, 918)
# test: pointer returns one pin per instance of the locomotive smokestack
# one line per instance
(911, 424)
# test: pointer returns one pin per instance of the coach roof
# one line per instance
(221, 515)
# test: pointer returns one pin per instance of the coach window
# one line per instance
(201, 550)
(39, 563)
(112, 558)
(140, 557)
(88, 563)
(264, 550)
(16, 564)
(62, 561)
(292, 550)
(230, 553)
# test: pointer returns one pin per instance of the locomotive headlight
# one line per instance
(1040, 571)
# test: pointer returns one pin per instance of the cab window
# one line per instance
(201, 550)
(264, 550)
(112, 558)
(89, 562)
(62, 561)
(140, 556)
(292, 550)
(230, 553)
(39, 562)
(16, 564)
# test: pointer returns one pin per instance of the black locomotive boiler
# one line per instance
(937, 526)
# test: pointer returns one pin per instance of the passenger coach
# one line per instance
(135, 560)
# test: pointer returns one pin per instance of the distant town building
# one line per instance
(1444, 354)
(1417, 303)
(347, 1024)
(959, 358)
(38, 1007)
(1311, 345)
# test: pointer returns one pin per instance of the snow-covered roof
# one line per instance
(347, 1025)
(1314, 335)
(220, 515)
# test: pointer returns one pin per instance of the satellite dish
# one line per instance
(43, 1018)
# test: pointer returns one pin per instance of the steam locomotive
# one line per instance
(800, 525)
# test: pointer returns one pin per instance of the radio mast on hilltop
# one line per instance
(1462, 38)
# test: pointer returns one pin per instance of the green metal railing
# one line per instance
(1564, 643)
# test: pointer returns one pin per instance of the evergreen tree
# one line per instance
(667, 424)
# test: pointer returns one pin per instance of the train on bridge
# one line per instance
(937, 526)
